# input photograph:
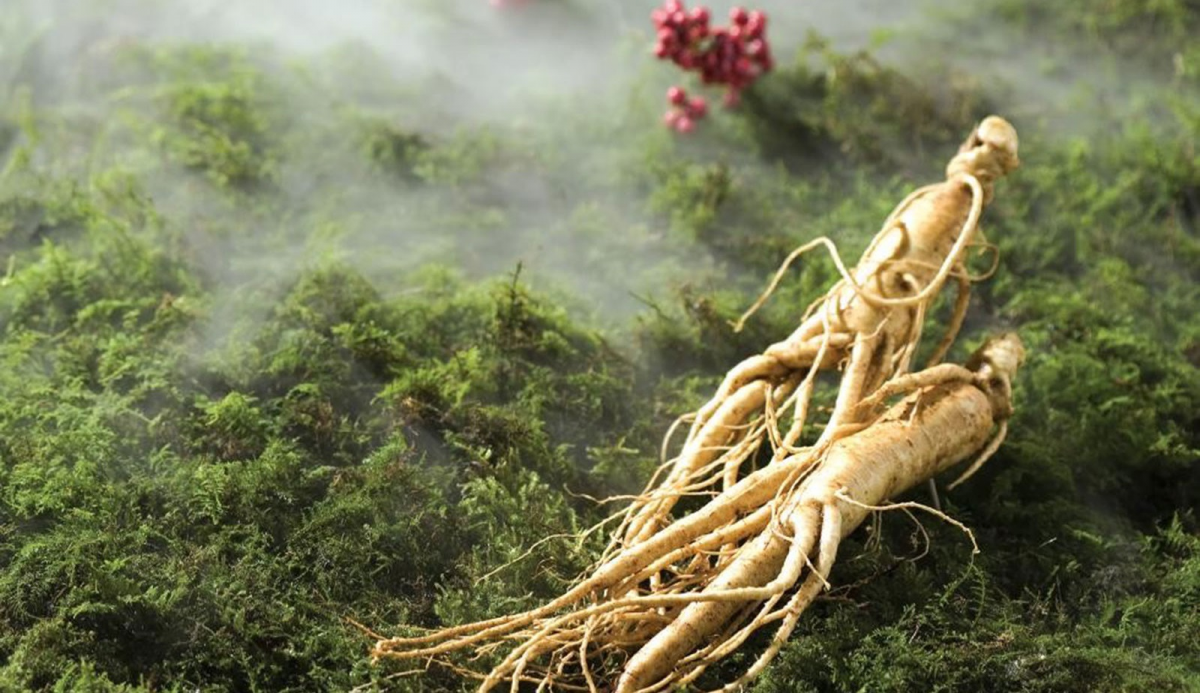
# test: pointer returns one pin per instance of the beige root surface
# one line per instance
(868, 325)
(755, 556)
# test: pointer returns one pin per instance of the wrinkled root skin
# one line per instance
(715, 590)
(868, 325)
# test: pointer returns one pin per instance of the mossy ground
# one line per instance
(264, 369)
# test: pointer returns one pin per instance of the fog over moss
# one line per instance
(311, 315)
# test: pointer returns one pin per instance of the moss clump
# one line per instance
(828, 106)
(1141, 608)
(1122, 25)
(208, 515)
(215, 117)
(390, 148)
(234, 410)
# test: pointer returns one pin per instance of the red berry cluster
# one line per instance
(684, 112)
(734, 56)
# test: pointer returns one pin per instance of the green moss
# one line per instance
(459, 159)
(1128, 637)
(216, 120)
(828, 106)
(392, 149)
(228, 422)
(1123, 25)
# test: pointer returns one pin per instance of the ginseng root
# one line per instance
(754, 556)
(869, 324)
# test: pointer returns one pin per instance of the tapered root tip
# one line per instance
(999, 135)
(990, 152)
(1005, 353)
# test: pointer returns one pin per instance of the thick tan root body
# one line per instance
(683, 593)
(756, 555)
(900, 451)
(870, 322)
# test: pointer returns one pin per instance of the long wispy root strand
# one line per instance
(868, 325)
(715, 591)
(674, 594)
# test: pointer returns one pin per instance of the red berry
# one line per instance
(699, 15)
(660, 50)
(678, 18)
(684, 124)
(755, 48)
(697, 108)
(672, 5)
(677, 96)
(671, 117)
(735, 33)
(659, 17)
(755, 29)
(739, 16)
